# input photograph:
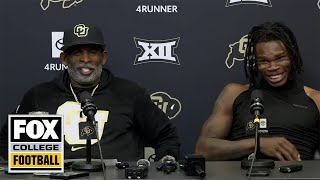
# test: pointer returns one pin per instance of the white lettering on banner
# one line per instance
(157, 9)
(256, 2)
(55, 67)
(157, 51)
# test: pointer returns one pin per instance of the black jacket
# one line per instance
(127, 118)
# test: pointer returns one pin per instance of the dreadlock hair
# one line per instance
(266, 32)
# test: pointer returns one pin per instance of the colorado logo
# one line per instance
(236, 51)
(81, 30)
(66, 4)
(169, 105)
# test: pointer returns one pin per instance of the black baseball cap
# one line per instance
(82, 34)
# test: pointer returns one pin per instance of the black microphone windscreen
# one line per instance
(256, 94)
(143, 162)
(168, 158)
(85, 96)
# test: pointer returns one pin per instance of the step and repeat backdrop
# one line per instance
(204, 41)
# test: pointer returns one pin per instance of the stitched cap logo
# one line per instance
(81, 30)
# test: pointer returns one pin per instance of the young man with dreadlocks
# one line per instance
(273, 64)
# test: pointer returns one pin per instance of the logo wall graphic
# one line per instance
(236, 51)
(169, 105)
(157, 51)
(256, 2)
(318, 4)
(81, 30)
(56, 44)
(66, 4)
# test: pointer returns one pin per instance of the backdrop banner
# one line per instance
(182, 51)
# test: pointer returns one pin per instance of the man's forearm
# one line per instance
(220, 149)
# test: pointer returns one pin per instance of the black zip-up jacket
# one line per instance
(127, 119)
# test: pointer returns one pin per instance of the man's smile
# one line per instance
(86, 71)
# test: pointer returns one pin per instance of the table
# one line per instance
(220, 170)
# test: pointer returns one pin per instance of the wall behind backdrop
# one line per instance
(204, 41)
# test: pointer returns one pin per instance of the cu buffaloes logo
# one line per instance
(169, 105)
(236, 51)
(80, 30)
(66, 4)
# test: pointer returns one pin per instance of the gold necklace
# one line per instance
(75, 96)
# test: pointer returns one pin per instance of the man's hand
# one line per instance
(280, 148)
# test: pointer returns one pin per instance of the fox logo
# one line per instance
(66, 4)
(237, 51)
(256, 2)
(318, 4)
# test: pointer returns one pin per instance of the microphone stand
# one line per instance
(88, 165)
(257, 162)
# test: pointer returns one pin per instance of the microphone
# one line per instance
(89, 110)
(168, 164)
(143, 163)
(256, 107)
(168, 158)
(194, 165)
(87, 106)
(138, 172)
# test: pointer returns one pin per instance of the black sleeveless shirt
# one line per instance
(290, 113)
